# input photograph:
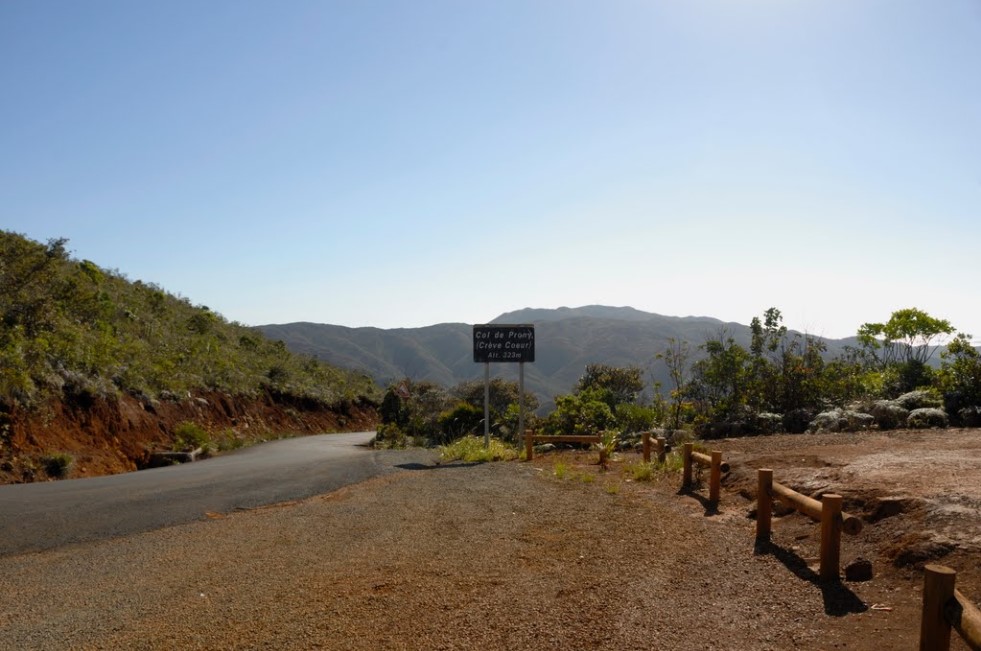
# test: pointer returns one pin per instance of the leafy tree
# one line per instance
(903, 346)
(960, 375)
(677, 357)
(616, 384)
(719, 382)
(503, 394)
(585, 412)
(907, 336)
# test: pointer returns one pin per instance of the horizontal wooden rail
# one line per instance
(713, 461)
(812, 508)
(965, 617)
(531, 438)
(660, 444)
(567, 438)
(828, 512)
(945, 608)
(705, 461)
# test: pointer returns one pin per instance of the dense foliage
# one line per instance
(783, 381)
(606, 398)
(785, 376)
(68, 327)
(426, 413)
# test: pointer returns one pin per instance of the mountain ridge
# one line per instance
(567, 339)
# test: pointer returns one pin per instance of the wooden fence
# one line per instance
(659, 443)
(531, 438)
(945, 607)
(828, 512)
(712, 461)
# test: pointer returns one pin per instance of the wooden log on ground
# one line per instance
(806, 505)
(810, 507)
(706, 461)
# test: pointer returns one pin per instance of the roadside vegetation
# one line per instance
(70, 329)
(913, 370)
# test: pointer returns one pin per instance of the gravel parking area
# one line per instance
(452, 556)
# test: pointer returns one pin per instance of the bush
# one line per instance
(797, 421)
(191, 436)
(970, 416)
(927, 417)
(767, 423)
(462, 420)
(632, 417)
(389, 435)
(889, 414)
(919, 400)
(57, 464)
(471, 449)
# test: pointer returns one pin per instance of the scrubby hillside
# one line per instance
(80, 345)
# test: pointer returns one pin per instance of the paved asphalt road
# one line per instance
(51, 514)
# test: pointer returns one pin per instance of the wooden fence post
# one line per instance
(686, 456)
(715, 477)
(764, 504)
(938, 589)
(831, 537)
(529, 445)
(662, 445)
(647, 447)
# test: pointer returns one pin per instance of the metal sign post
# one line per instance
(486, 405)
(521, 404)
(504, 343)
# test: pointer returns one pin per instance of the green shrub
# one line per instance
(227, 440)
(389, 436)
(560, 470)
(461, 420)
(191, 436)
(57, 464)
(471, 449)
(642, 471)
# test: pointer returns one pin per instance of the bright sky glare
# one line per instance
(399, 164)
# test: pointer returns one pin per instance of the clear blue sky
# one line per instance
(409, 163)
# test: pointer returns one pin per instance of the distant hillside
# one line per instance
(566, 340)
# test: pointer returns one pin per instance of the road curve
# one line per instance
(47, 515)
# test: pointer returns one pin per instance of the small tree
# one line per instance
(903, 346)
(585, 412)
(719, 382)
(676, 357)
(618, 384)
(960, 375)
(906, 337)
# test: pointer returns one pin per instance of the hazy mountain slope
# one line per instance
(567, 339)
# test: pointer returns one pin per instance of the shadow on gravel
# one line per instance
(710, 507)
(436, 466)
(839, 600)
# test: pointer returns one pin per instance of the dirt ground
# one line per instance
(553, 554)
(917, 492)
